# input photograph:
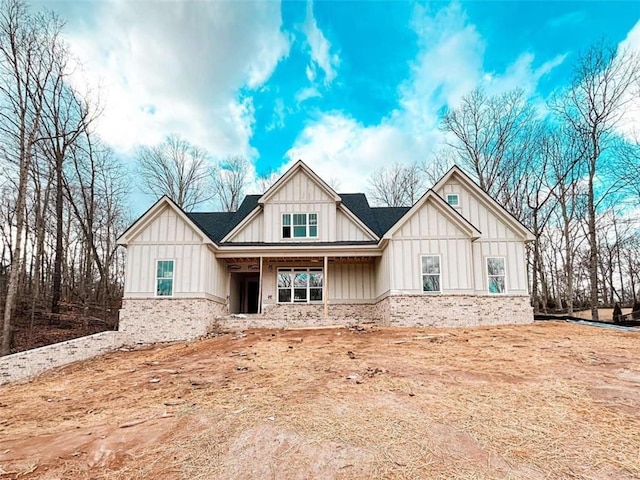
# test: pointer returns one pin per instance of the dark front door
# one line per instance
(252, 296)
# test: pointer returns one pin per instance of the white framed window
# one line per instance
(164, 278)
(496, 275)
(453, 199)
(431, 274)
(299, 225)
(300, 285)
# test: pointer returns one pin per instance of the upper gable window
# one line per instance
(453, 199)
(299, 225)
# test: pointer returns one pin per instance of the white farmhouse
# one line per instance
(303, 255)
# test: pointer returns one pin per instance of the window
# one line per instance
(164, 278)
(496, 274)
(299, 285)
(453, 199)
(430, 273)
(305, 225)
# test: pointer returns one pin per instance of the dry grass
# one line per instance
(548, 400)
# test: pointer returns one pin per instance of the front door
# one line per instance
(252, 296)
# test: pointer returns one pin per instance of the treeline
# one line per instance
(567, 168)
(62, 192)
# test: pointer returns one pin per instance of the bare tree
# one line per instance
(266, 179)
(175, 168)
(25, 65)
(398, 185)
(230, 178)
(493, 137)
(66, 116)
(593, 105)
(436, 167)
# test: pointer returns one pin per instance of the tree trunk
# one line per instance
(57, 262)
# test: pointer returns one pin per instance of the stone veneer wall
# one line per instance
(455, 310)
(149, 320)
(22, 365)
(303, 315)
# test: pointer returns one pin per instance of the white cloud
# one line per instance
(449, 65)
(306, 94)
(629, 126)
(177, 67)
(320, 49)
(521, 74)
(279, 114)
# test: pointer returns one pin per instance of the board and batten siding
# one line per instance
(352, 282)
(348, 230)
(252, 231)
(498, 239)
(301, 194)
(515, 258)
(477, 213)
(428, 232)
(168, 237)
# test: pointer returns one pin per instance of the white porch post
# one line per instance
(260, 287)
(325, 286)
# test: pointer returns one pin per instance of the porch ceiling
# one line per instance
(303, 259)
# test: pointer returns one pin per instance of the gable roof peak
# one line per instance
(296, 167)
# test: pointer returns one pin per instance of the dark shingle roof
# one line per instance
(359, 206)
(218, 224)
(387, 217)
(214, 224)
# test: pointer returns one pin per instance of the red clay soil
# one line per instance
(549, 400)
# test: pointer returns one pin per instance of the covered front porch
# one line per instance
(301, 289)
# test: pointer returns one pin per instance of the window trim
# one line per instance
(486, 271)
(307, 225)
(292, 271)
(457, 197)
(173, 277)
(431, 292)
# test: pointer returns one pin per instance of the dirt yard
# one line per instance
(549, 400)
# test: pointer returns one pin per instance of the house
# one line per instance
(301, 255)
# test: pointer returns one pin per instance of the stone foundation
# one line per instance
(303, 315)
(150, 320)
(455, 310)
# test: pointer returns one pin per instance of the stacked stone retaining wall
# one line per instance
(23, 365)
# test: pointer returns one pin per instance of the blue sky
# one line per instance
(345, 86)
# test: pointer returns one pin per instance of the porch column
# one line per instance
(325, 286)
(260, 287)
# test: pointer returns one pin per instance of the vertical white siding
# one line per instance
(428, 232)
(252, 232)
(217, 277)
(477, 213)
(383, 273)
(140, 276)
(299, 195)
(351, 281)
(166, 237)
(347, 229)
(167, 226)
(498, 239)
(514, 253)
